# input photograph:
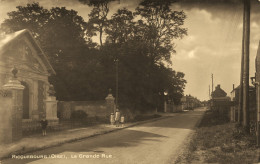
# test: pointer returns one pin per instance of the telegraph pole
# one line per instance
(116, 84)
(258, 112)
(240, 107)
(209, 91)
(212, 83)
(246, 42)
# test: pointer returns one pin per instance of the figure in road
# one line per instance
(122, 120)
(44, 124)
(117, 118)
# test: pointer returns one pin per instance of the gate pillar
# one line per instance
(12, 113)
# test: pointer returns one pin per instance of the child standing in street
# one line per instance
(44, 124)
(122, 120)
(117, 118)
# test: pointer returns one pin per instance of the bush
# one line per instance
(78, 115)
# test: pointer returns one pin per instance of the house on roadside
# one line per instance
(218, 92)
(219, 100)
(189, 102)
(235, 103)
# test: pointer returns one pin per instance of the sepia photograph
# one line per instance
(129, 81)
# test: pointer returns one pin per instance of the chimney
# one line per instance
(233, 86)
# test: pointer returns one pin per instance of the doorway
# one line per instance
(25, 100)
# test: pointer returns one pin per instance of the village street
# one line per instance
(154, 142)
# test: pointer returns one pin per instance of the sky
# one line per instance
(213, 44)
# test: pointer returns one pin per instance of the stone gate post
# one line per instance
(110, 103)
(12, 110)
(51, 107)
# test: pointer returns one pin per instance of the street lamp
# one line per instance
(253, 80)
(116, 83)
(165, 101)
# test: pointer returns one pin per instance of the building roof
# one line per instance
(7, 39)
(218, 92)
(238, 87)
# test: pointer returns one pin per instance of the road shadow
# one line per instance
(122, 138)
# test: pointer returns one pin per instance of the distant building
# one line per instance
(218, 92)
(220, 101)
(189, 102)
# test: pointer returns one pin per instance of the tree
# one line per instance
(121, 26)
(60, 33)
(163, 25)
(138, 40)
(141, 51)
(32, 17)
(63, 36)
(139, 86)
(97, 17)
(57, 30)
(176, 85)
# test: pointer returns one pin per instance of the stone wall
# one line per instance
(29, 125)
(91, 108)
(171, 107)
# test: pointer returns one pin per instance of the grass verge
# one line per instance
(218, 141)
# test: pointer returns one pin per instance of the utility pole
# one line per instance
(258, 112)
(116, 84)
(209, 91)
(240, 107)
(246, 42)
(212, 83)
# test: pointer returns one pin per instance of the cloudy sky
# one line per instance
(213, 44)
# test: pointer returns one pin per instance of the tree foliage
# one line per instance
(121, 26)
(141, 41)
(163, 25)
(60, 33)
(32, 17)
(97, 17)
